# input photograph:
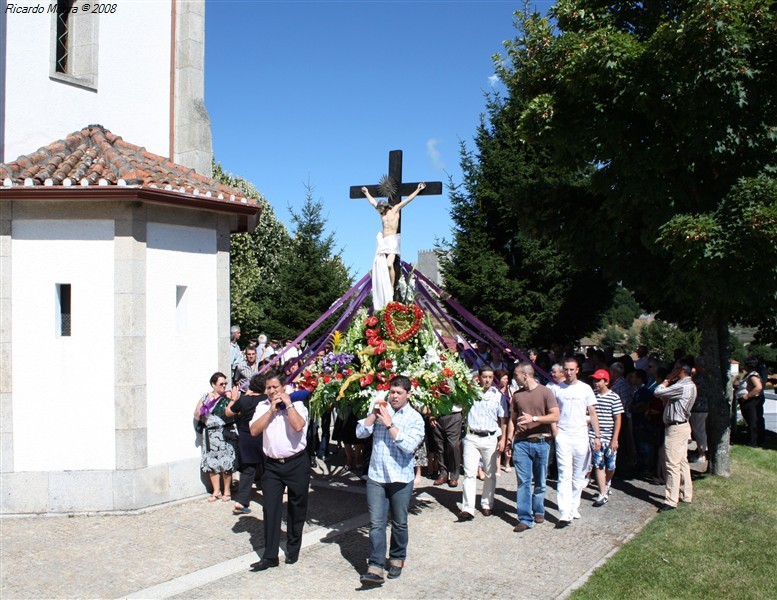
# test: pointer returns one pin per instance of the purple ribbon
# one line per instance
(335, 305)
(472, 319)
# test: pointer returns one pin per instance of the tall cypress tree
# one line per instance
(313, 276)
(528, 289)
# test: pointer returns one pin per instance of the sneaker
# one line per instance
(608, 488)
(576, 515)
(394, 572)
(242, 510)
(600, 500)
(371, 579)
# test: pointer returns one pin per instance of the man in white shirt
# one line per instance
(485, 439)
(573, 452)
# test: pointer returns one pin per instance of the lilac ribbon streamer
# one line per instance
(344, 321)
(335, 305)
(475, 321)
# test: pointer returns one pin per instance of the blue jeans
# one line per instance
(381, 497)
(530, 459)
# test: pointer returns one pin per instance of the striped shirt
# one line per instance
(679, 399)
(607, 406)
(486, 411)
(392, 459)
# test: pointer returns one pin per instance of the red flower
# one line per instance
(371, 333)
(366, 380)
(444, 387)
(374, 341)
(327, 379)
(387, 364)
(447, 372)
(414, 381)
(338, 375)
(371, 321)
(380, 348)
(443, 357)
(382, 386)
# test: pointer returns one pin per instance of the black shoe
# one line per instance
(464, 516)
(562, 524)
(290, 560)
(264, 564)
(665, 508)
(394, 572)
(371, 579)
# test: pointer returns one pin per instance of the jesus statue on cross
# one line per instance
(391, 186)
(388, 239)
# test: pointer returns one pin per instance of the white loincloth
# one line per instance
(382, 290)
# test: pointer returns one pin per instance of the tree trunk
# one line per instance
(716, 385)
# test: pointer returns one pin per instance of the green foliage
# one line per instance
(623, 311)
(665, 339)
(313, 275)
(685, 156)
(255, 261)
(768, 352)
(613, 337)
(524, 287)
(671, 110)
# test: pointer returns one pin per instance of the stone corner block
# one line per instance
(131, 448)
(24, 493)
(80, 491)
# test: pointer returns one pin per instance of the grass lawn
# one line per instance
(724, 545)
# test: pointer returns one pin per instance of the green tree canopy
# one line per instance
(526, 287)
(313, 276)
(255, 260)
(671, 107)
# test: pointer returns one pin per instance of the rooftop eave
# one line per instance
(246, 212)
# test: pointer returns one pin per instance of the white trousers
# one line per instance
(573, 454)
(476, 448)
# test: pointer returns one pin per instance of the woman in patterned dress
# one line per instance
(218, 442)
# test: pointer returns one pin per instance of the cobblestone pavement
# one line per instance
(197, 549)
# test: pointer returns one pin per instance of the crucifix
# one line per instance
(388, 247)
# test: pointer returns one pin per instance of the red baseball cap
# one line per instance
(601, 374)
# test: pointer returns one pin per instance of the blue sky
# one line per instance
(322, 91)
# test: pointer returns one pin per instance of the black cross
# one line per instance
(433, 188)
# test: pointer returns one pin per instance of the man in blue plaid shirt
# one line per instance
(397, 430)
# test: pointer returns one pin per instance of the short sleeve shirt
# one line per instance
(536, 402)
(573, 402)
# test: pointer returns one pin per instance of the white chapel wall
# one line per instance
(63, 386)
(182, 335)
(132, 96)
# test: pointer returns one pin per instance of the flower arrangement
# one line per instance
(398, 340)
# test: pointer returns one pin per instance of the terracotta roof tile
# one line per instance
(95, 156)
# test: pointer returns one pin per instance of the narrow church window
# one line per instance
(181, 310)
(63, 18)
(64, 310)
(74, 44)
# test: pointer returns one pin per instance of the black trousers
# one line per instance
(753, 413)
(294, 475)
(447, 438)
(247, 476)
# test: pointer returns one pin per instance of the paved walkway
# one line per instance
(196, 549)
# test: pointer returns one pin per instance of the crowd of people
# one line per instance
(585, 416)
